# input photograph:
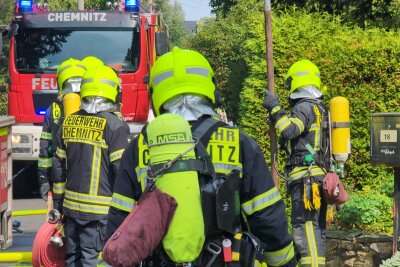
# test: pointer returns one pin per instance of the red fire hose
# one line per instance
(43, 252)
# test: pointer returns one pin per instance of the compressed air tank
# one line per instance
(168, 136)
(72, 103)
(340, 129)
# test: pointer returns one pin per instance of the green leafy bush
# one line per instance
(367, 210)
(370, 209)
(392, 262)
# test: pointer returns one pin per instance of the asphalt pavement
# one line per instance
(22, 242)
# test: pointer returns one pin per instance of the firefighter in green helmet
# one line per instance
(91, 141)
(69, 75)
(182, 82)
(91, 62)
(304, 136)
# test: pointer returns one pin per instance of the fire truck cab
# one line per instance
(40, 39)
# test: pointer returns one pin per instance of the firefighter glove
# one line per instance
(44, 189)
(44, 185)
(58, 205)
(270, 101)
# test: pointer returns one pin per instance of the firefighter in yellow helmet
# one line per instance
(182, 82)
(69, 75)
(305, 136)
(92, 141)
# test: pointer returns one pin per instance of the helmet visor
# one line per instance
(190, 106)
(72, 85)
(309, 91)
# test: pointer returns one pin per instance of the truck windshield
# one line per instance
(43, 50)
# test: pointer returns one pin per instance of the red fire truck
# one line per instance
(40, 40)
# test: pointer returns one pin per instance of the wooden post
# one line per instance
(271, 86)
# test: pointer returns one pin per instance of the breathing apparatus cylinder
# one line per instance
(340, 131)
(169, 135)
(72, 103)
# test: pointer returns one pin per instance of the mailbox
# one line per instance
(385, 136)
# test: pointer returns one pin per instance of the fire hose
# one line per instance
(48, 247)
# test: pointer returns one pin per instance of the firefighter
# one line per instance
(92, 141)
(69, 74)
(306, 142)
(91, 62)
(182, 82)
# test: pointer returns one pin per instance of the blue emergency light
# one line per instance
(132, 5)
(25, 5)
(42, 112)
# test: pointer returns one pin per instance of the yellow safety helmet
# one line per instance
(100, 81)
(91, 62)
(70, 68)
(302, 73)
(180, 71)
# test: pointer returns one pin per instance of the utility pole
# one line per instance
(81, 4)
(271, 86)
(151, 6)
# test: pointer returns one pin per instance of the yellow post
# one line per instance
(28, 212)
(15, 256)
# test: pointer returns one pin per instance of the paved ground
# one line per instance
(22, 242)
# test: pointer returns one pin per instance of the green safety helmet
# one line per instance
(91, 62)
(180, 71)
(70, 68)
(100, 81)
(302, 73)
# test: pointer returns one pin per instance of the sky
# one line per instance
(195, 9)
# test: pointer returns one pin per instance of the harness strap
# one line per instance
(205, 128)
(202, 130)
(202, 166)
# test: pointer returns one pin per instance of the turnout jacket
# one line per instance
(52, 120)
(86, 163)
(301, 128)
(229, 149)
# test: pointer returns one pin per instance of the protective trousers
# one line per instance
(84, 241)
(309, 226)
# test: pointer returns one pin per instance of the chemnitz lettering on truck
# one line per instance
(44, 84)
(78, 16)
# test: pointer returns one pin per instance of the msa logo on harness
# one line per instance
(169, 138)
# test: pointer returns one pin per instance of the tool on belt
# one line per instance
(311, 194)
